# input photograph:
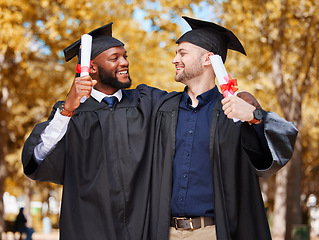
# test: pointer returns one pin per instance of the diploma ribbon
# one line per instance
(80, 69)
(230, 87)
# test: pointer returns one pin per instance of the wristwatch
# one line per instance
(258, 116)
(65, 112)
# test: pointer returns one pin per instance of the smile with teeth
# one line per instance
(179, 68)
(123, 72)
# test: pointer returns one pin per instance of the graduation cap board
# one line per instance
(212, 37)
(101, 40)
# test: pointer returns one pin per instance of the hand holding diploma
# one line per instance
(82, 86)
(234, 107)
(86, 47)
(237, 108)
(227, 85)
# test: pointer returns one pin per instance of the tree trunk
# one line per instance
(287, 209)
(264, 189)
(280, 200)
(279, 220)
(27, 201)
(294, 214)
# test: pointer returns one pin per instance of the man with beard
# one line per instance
(98, 150)
(207, 165)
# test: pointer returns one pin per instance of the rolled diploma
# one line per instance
(220, 72)
(86, 47)
(219, 69)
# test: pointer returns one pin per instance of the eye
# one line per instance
(113, 59)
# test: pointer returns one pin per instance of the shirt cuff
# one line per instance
(51, 135)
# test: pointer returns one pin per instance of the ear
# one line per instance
(93, 68)
(207, 59)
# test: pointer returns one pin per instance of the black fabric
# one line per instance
(212, 37)
(20, 222)
(101, 40)
(239, 208)
(117, 187)
(104, 163)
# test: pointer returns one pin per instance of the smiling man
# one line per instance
(99, 150)
(210, 164)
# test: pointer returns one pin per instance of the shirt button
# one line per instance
(190, 131)
(185, 176)
(187, 154)
(181, 199)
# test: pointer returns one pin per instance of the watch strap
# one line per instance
(65, 112)
(255, 120)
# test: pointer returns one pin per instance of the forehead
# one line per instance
(115, 50)
(119, 50)
(187, 46)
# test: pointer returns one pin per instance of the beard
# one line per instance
(194, 70)
(107, 78)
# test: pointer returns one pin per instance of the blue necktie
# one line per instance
(110, 101)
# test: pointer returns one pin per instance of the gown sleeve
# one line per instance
(47, 170)
(271, 145)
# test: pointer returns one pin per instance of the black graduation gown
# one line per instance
(104, 164)
(237, 159)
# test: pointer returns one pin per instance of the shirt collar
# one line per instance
(203, 99)
(98, 96)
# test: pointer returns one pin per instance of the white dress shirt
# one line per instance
(57, 127)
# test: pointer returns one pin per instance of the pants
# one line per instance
(203, 233)
(29, 232)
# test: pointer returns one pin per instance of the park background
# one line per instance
(281, 69)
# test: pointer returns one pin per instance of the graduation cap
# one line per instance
(212, 37)
(101, 40)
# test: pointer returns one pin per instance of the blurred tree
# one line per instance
(311, 145)
(26, 74)
(281, 38)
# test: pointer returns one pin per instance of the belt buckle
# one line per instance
(176, 219)
(183, 218)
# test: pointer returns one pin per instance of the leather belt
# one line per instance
(191, 223)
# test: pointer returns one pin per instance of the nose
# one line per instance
(175, 59)
(124, 62)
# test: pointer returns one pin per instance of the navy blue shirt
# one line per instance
(192, 193)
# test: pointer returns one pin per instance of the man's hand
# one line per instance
(249, 98)
(82, 86)
(241, 107)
